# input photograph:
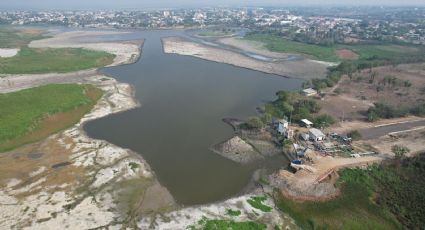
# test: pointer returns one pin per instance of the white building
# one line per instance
(306, 123)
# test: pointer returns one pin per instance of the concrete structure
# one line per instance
(316, 135)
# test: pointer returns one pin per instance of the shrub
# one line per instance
(257, 202)
(255, 123)
(323, 121)
(354, 135)
(399, 150)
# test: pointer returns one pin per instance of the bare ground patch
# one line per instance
(347, 54)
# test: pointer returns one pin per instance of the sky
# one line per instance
(140, 4)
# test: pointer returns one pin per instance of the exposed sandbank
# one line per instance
(6, 53)
(125, 52)
(303, 69)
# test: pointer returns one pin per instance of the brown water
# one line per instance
(183, 102)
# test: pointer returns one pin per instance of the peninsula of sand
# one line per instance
(273, 63)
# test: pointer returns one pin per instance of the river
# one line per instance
(183, 100)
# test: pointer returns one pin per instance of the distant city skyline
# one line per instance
(140, 4)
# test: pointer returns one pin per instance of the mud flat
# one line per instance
(303, 69)
(71, 180)
(238, 150)
(77, 182)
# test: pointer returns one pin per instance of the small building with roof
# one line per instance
(306, 123)
(316, 134)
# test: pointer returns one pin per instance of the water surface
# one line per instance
(183, 102)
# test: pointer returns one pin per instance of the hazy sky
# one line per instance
(121, 4)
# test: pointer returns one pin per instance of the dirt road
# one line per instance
(382, 130)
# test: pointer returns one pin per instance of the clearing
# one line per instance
(346, 54)
(396, 86)
(33, 114)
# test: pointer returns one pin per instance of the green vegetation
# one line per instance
(296, 106)
(231, 212)
(352, 210)
(133, 166)
(323, 121)
(354, 135)
(14, 38)
(366, 52)
(30, 60)
(213, 34)
(399, 150)
(254, 123)
(257, 202)
(279, 44)
(370, 55)
(381, 197)
(206, 224)
(32, 114)
(381, 51)
(382, 110)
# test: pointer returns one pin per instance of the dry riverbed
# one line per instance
(303, 69)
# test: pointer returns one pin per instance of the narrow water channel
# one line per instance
(183, 102)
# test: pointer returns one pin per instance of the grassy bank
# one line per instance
(278, 44)
(33, 114)
(366, 52)
(382, 197)
(208, 224)
(15, 38)
(31, 61)
(48, 60)
(214, 33)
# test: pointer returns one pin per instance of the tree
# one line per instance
(267, 118)
(399, 150)
(323, 121)
(372, 116)
(255, 123)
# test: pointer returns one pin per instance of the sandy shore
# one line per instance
(303, 69)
